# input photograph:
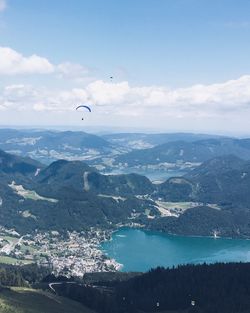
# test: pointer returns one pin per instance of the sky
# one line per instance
(177, 65)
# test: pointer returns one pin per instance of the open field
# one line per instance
(180, 205)
(29, 194)
(175, 208)
(24, 300)
(13, 261)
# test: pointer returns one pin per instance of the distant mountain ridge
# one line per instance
(143, 140)
(47, 146)
(181, 151)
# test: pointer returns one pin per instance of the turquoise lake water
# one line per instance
(140, 250)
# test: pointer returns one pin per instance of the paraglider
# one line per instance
(84, 107)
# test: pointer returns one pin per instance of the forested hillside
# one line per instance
(75, 197)
(217, 288)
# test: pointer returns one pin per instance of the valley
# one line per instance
(124, 156)
(59, 214)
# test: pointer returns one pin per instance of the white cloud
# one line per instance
(12, 63)
(3, 5)
(120, 98)
(202, 100)
(102, 93)
(25, 97)
(115, 101)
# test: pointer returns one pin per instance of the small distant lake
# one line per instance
(153, 175)
(140, 250)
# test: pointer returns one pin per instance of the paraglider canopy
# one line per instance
(83, 106)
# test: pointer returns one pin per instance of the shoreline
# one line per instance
(76, 253)
(162, 232)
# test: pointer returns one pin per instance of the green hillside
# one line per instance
(24, 300)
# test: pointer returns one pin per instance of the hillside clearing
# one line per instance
(24, 300)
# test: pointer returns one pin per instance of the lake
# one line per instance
(140, 250)
(153, 175)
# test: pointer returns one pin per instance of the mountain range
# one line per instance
(71, 195)
(183, 151)
(119, 151)
(47, 146)
(142, 140)
(157, 155)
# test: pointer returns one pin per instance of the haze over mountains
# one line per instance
(48, 146)
(120, 152)
(182, 151)
(142, 140)
(73, 195)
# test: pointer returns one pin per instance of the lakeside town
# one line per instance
(70, 254)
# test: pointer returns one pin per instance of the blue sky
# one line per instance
(178, 42)
(161, 47)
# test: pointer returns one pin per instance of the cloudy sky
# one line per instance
(177, 65)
